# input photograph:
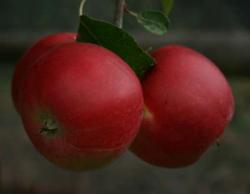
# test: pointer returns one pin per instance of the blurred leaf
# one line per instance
(154, 21)
(116, 40)
(167, 6)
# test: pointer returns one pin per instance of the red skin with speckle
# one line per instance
(42, 47)
(93, 96)
(188, 104)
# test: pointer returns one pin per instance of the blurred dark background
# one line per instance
(219, 29)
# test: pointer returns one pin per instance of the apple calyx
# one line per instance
(49, 126)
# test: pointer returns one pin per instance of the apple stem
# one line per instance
(119, 13)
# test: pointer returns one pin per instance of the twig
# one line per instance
(119, 13)
(81, 7)
(130, 12)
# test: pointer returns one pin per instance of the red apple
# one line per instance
(82, 105)
(41, 48)
(188, 103)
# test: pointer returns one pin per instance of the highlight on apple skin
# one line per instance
(81, 105)
(42, 47)
(188, 104)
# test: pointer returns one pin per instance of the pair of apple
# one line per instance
(82, 106)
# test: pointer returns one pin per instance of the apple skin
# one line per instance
(91, 101)
(42, 47)
(188, 103)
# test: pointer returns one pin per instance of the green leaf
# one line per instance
(116, 40)
(167, 6)
(154, 21)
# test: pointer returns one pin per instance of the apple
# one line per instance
(42, 47)
(188, 103)
(81, 105)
